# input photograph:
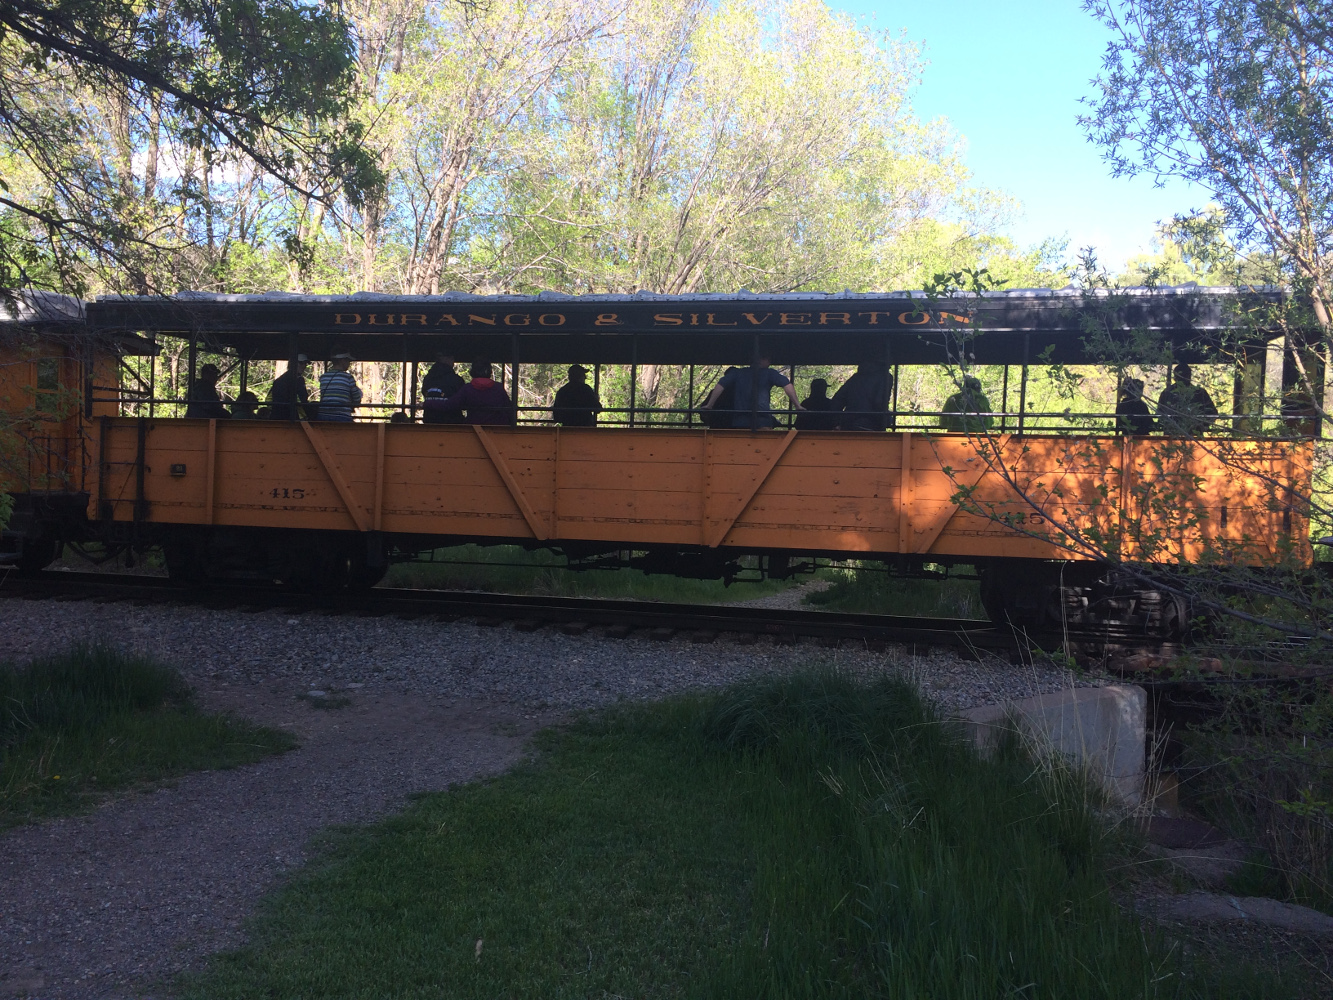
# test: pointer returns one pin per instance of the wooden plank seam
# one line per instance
(354, 509)
(724, 525)
(539, 528)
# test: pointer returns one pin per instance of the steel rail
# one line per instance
(569, 613)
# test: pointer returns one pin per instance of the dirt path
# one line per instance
(113, 903)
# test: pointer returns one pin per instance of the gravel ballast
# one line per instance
(114, 903)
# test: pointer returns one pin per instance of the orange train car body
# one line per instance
(906, 494)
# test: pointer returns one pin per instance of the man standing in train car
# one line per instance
(576, 403)
(289, 398)
(753, 387)
(1185, 409)
(968, 411)
(339, 394)
(864, 399)
(204, 401)
(485, 401)
(443, 377)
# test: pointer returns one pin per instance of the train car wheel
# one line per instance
(38, 553)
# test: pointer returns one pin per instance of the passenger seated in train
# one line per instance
(753, 387)
(246, 406)
(339, 394)
(1131, 412)
(443, 377)
(1184, 408)
(863, 400)
(818, 415)
(289, 399)
(576, 403)
(203, 399)
(399, 417)
(716, 413)
(968, 410)
(484, 400)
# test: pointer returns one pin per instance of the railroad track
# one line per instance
(572, 615)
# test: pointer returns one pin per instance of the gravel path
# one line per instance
(108, 904)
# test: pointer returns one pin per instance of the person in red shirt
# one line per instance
(484, 401)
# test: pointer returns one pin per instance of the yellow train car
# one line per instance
(56, 378)
(1049, 515)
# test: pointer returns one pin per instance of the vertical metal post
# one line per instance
(633, 376)
(513, 351)
(189, 378)
(754, 394)
(689, 412)
(897, 377)
(412, 399)
(245, 375)
(791, 414)
(152, 377)
(1004, 398)
(1023, 384)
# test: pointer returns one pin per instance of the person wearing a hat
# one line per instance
(204, 402)
(289, 399)
(576, 403)
(483, 398)
(339, 394)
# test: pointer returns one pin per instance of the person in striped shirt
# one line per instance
(338, 392)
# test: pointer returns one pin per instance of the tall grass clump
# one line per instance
(896, 862)
(77, 724)
(81, 688)
(802, 837)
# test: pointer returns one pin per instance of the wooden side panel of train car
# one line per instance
(41, 397)
(1152, 499)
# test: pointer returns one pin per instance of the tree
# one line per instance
(117, 118)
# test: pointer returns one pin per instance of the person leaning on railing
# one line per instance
(968, 410)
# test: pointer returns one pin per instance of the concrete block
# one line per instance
(1102, 730)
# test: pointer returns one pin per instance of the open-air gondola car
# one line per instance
(1037, 509)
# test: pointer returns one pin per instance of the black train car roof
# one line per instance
(30, 316)
(797, 328)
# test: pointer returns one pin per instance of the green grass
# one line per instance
(510, 569)
(81, 724)
(807, 837)
(872, 591)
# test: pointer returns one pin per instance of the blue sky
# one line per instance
(1009, 76)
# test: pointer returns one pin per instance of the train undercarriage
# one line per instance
(1035, 596)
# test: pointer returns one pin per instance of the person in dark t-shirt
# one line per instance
(204, 400)
(752, 386)
(289, 398)
(576, 403)
(1184, 408)
(863, 400)
(443, 377)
